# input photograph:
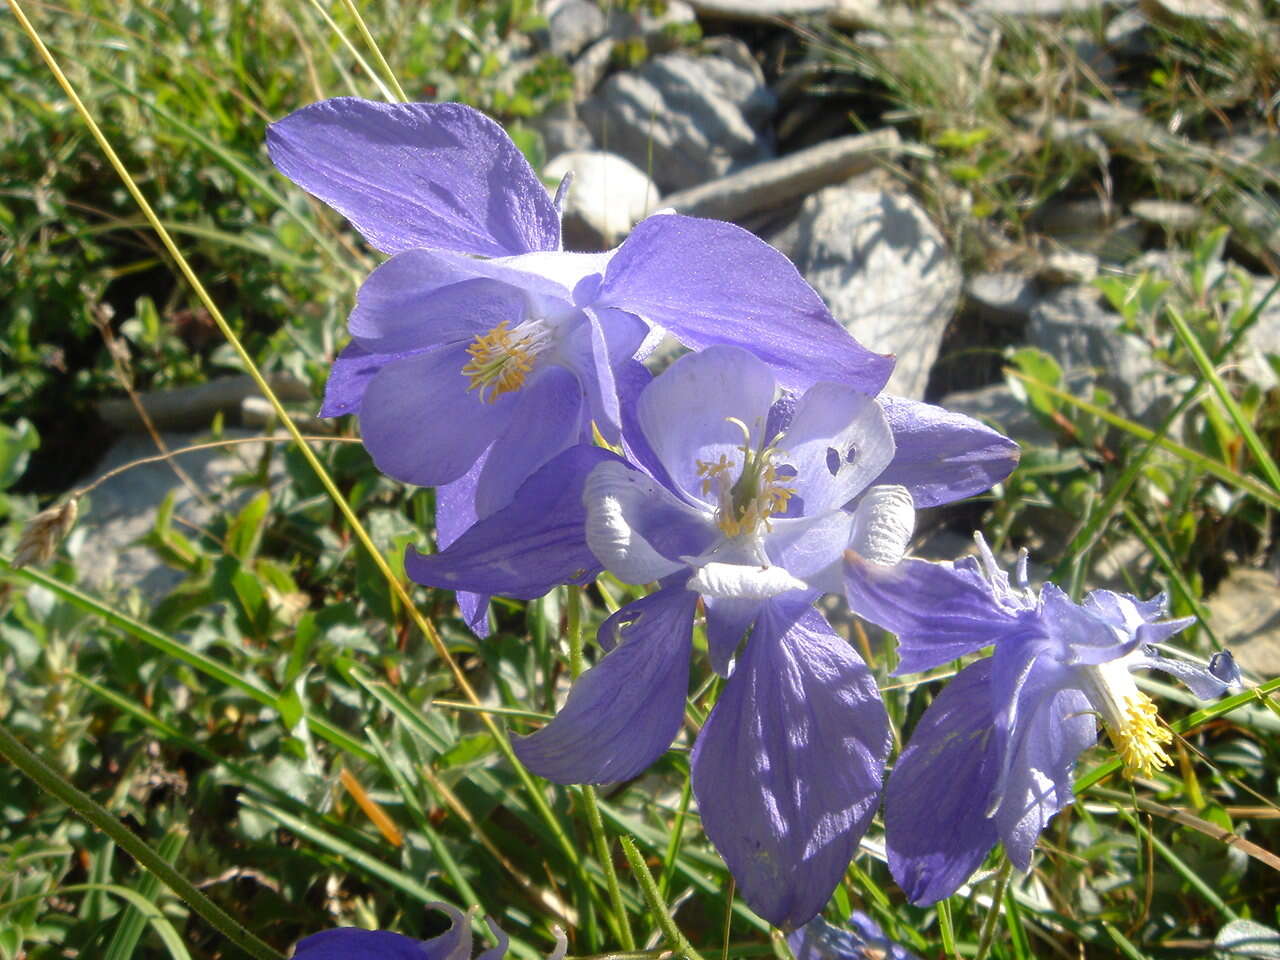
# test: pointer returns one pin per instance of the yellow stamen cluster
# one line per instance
(500, 360)
(744, 505)
(1139, 738)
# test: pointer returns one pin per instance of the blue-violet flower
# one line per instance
(738, 500)
(992, 757)
(864, 940)
(481, 349)
(352, 943)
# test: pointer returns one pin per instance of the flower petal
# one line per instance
(417, 175)
(812, 548)
(638, 529)
(941, 456)
(787, 769)
(885, 519)
(839, 442)
(741, 581)
(940, 611)
(420, 298)
(711, 282)
(352, 943)
(533, 544)
(728, 619)
(354, 367)
(455, 512)
(547, 420)
(1043, 722)
(935, 811)
(1201, 681)
(422, 425)
(623, 713)
(685, 412)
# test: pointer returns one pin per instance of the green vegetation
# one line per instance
(280, 727)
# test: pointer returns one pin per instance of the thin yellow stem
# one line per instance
(377, 51)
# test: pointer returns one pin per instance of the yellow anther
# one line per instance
(745, 504)
(500, 361)
(1139, 737)
(710, 471)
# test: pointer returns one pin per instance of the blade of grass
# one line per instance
(349, 854)
(246, 684)
(89, 809)
(1175, 574)
(133, 921)
(1084, 540)
(618, 913)
(148, 910)
(377, 53)
(1179, 866)
(351, 49)
(535, 794)
(1198, 460)
(1208, 370)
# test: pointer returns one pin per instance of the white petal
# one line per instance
(743, 582)
(616, 497)
(884, 520)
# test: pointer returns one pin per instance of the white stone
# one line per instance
(608, 196)
(886, 273)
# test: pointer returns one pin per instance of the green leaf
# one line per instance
(17, 443)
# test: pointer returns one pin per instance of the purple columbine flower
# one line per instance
(480, 350)
(863, 940)
(741, 500)
(992, 757)
(351, 943)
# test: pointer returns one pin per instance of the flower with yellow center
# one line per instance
(993, 758)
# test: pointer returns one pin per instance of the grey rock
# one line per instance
(608, 196)
(1245, 614)
(689, 119)
(840, 12)
(1074, 327)
(774, 183)
(997, 406)
(1167, 214)
(572, 25)
(563, 135)
(1093, 57)
(1129, 34)
(1004, 297)
(124, 508)
(590, 68)
(1208, 11)
(1061, 266)
(1034, 8)
(190, 408)
(562, 130)
(886, 273)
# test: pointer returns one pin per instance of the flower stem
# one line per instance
(622, 926)
(997, 897)
(675, 939)
(56, 785)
